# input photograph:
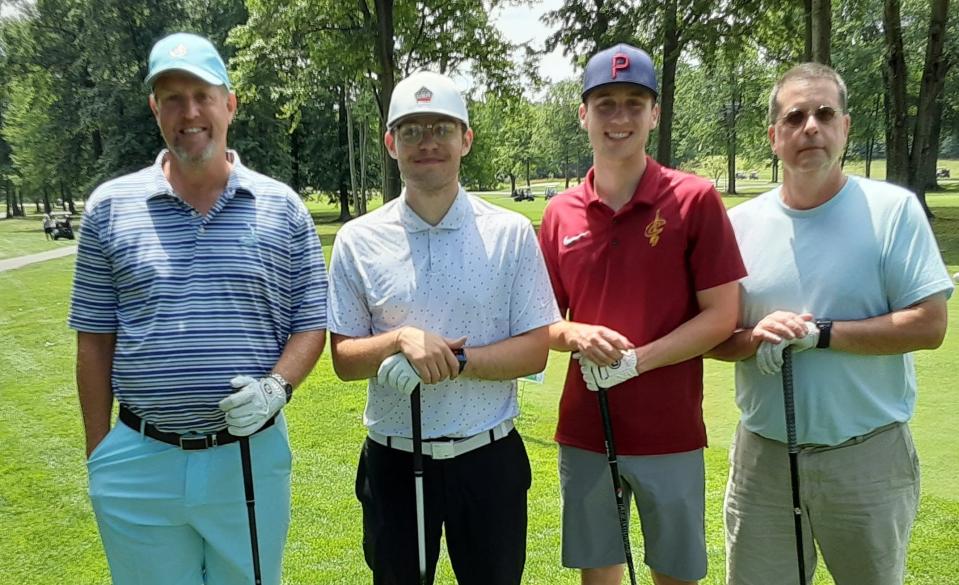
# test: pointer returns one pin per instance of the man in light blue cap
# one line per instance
(199, 301)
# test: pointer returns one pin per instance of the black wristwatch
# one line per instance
(825, 332)
(287, 387)
(461, 358)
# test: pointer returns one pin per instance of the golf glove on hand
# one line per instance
(769, 356)
(396, 372)
(254, 403)
(597, 376)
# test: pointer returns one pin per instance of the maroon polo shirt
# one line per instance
(637, 271)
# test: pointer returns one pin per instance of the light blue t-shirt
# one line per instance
(866, 252)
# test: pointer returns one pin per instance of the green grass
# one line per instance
(22, 236)
(49, 534)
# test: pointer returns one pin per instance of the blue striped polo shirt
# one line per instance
(195, 300)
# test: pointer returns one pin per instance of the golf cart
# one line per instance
(61, 226)
(523, 194)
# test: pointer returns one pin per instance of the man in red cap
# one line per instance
(644, 266)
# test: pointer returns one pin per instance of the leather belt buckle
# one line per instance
(188, 443)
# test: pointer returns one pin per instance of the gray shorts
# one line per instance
(670, 495)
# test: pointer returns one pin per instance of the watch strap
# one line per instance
(461, 358)
(287, 387)
(825, 333)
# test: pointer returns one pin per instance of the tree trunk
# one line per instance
(344, 139)
(807, 20)
(930, 92)
(361, 203)
(821, 20)
(667, 85)
(775, 169)
(7, 198)
(897, 153)
(47, 207)
(296, 138)
(927, 166)
(387, 79)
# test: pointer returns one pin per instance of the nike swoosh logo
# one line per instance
(570, 240)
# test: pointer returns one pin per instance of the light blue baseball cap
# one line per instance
(188, 53)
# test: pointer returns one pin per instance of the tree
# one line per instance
(904, 160)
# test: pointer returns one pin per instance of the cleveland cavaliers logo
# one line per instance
(654, 229)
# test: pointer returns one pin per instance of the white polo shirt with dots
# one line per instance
(477, 274)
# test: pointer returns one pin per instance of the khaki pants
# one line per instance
(859, 500)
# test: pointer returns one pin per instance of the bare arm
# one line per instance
(921, 326)
(358, 358)
(300, 355)
(718, 310)
(94, 366)
(600, 344)
(510, 358)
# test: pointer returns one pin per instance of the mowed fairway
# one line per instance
(48, 534)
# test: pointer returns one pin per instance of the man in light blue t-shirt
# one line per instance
(848, 269)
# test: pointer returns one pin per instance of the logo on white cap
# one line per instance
(179, 51)
(423, 96)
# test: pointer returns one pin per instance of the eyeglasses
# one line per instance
(796, 117)
(412, 133)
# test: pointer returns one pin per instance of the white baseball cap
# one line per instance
(426, 92)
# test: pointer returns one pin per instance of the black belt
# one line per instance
(185, 442)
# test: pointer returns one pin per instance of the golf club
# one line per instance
(250, 505)
(787, 372)
(418, 480)
(617, 481)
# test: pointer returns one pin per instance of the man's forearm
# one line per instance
(94, 368)
(359, 358)
(921, 326)
(691, 339)
(560, 334)
(739, 346)
(510, 358)
(300, 355)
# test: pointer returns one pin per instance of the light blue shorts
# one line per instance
(174, 517)
(670, 496)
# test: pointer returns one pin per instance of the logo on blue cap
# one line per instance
(190, 54)
(620, 64)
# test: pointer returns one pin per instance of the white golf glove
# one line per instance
(597, 376)
(255, 403)
(396, 372)
(769, 356)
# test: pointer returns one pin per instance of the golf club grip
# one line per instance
(790, 407)
(247, 465)
(788, 399)
(417, 429)
(617, 481)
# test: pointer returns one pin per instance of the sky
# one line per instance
(521, 24)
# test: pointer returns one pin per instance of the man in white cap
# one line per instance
(644, 261)
(441, 289)
(199, 301)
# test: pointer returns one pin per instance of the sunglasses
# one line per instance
(412, 133)
(796, 117)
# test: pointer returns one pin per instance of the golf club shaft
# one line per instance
(418, 480)
(247, 466)
(787, 372)
(617, 482)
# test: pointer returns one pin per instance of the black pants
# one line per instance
(479, 496)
